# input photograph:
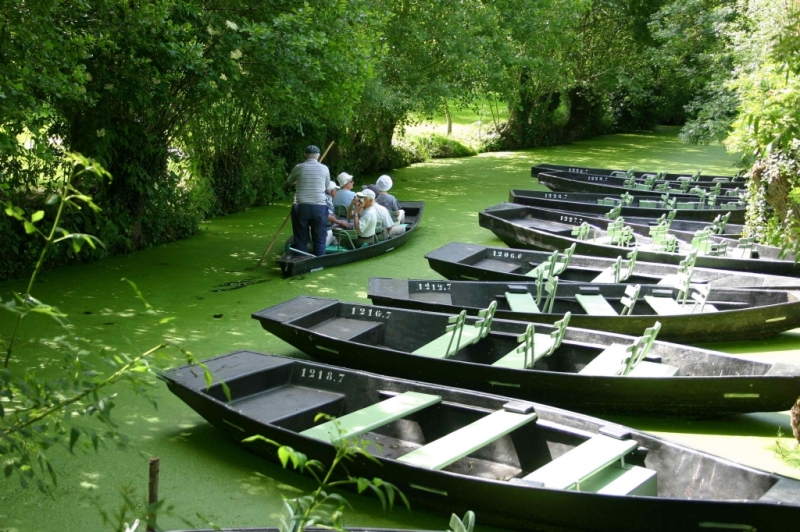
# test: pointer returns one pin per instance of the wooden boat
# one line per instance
(471, 262)
(516, 464)
(529, 227)
(684, 229)
(630, 204)
(569, 182)
(696, 177)
(294, 262)
(702, 315)
(673, 380)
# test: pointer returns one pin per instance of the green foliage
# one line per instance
(790, 455)
(323, 508)
(73, 408)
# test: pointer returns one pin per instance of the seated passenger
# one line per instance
(345, 195)
(387, 200)
(390, 227)
(330, 194)
(364, 216)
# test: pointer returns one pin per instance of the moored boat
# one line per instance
(566, 181)
(296, 262)
(697, 316)
(472, 262)
(630, 205)
(529, 227)
(696, 176)
(671, 379)
(517, 464)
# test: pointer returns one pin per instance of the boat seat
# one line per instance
(371, 417)
(609, 202)
(590, 459)
(466, 440)
(667, 306)
(534, 346)
(743, 250)
(554, 265)
(648, 204)
(340, 211)
(522, 302)
(618, 273)
(345, 328)
(459, 335)
(595, 305)
(498, 266)
(619, 359)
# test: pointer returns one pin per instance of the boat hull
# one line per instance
(696, 396)
(602, 185)
(553, 235)
(514, 505)
(587, 204)
(470, 262)
(296, 265)
(747, 323)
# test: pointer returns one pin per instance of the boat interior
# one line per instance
(722, 204)
(470, 434)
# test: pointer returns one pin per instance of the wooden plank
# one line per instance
(466, 440)
(606, 276)
(438, 348)
(614, 480)
(608, 362)
(595, 305)
(569, 469)
(371, 417)
(653, 369)
(522, 302)
(665, 306)
(542, 343)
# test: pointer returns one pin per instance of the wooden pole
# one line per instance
(152, 490)
(274, 238)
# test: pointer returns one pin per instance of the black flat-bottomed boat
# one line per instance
(573, 368)
(516, 464)
(682, 191)
(697, 316)
(530, 227)
(472, 262)
(293, 262)
(695, 177)
(631, 205)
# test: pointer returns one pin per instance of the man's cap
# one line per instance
(332, 186)
(373, 188)
(384, 183)
(311, 150)
(366, 193)
(344, 178)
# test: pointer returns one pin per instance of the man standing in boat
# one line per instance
(311, 178)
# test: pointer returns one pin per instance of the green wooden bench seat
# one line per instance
(667, 306)
(466, 440)
(619, 272)
(554, 265)
(371, 417)
(744, 249)
(522, 302)
(534, 346)
(577, 468)
(619, 359)
(595, 305)
(458, 335)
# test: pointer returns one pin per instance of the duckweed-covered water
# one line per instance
(209, 283)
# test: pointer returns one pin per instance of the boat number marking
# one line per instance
(571, 219)
(431, 287)
(578, 170)
(505, 254)
(551, 195)
(321, 375)
(368, 312)
(600, 178)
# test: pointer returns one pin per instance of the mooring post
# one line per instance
(152, 491)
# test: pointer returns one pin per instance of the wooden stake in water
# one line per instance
(152, 489)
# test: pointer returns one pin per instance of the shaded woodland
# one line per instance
(198, 108)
